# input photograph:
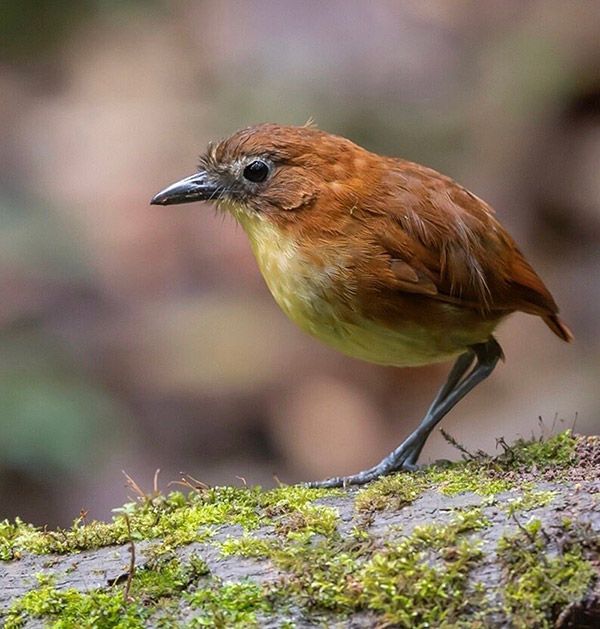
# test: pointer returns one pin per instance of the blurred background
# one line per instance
(136, 337)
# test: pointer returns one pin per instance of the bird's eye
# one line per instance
(256, 171)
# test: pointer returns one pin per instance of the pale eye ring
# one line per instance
(256, 171)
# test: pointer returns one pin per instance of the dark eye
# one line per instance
(256, 171)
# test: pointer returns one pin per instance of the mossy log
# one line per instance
(511, 541)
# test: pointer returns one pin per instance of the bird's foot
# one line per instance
(366, 476)
(403, 458)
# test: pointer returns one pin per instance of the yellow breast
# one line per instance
(301, 288)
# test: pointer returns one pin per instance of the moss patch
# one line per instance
(530, 499)
(419, 580)
(482, 475)
(70, 608)
(392, 492)
(396, 491)
(465, 477)
(539, 584)
(165, 577)
(229, 605)
(247, 546)
(178, 519)
(422, 581)
(558, 451)
(175, 519)
(325, 570)
(152, 588)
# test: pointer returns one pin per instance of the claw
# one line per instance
(362, 478)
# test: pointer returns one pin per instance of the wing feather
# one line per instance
(443, 241)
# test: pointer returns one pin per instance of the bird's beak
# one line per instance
(197, 187)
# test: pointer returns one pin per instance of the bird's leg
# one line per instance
(456, 387)
(459, 369)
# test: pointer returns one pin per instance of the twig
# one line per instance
(575, 421)
(189, 482)
(453, 442)
(133, 485)
(525, 532)
(126, 591)
(83, 514)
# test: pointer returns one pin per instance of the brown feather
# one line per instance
(415, 243)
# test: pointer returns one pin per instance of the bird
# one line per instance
(381, 258)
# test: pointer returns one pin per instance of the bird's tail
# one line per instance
(556, 324)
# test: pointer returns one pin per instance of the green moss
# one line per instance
(467, 476)
(165, 577)
(398, 490)
(320, 574)
(67, 609)
(150, 587)
(246, 546)
(307, 521)
(292, 513)
(391, 492)
(538, 584)
(175, 519)
(420, 579)
(485, 476)
(14, 537)
(558, 451)
(289, 498)
(418, 584)
(229, 605)
(530, 499)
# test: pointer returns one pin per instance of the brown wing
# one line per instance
(445, 242)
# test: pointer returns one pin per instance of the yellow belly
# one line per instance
(405, 346)
(303, 292)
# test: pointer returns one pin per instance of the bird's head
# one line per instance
(289, 176)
